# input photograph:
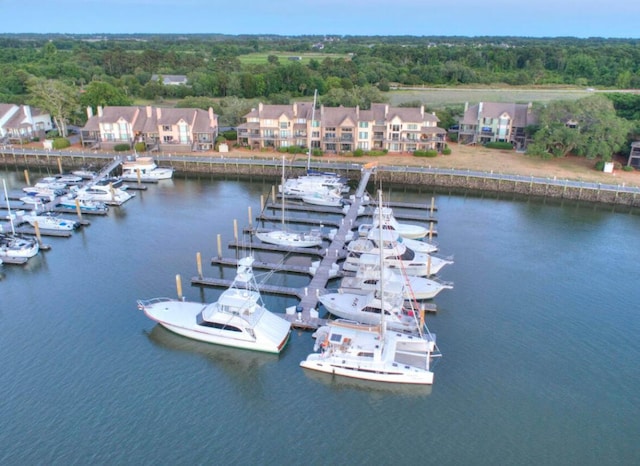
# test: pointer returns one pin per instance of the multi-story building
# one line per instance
(341, 129)
(496, 122)
(178, 129)
(21, 123)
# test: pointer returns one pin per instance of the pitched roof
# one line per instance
(520, 114)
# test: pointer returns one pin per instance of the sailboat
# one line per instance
(374, 352)
(13, 247)
(284, 237)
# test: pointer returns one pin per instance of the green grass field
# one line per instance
(440, 97)
(305, 58)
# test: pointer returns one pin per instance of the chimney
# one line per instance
(100, 111)
(89, 112)
(149, 111)
(466, 106)
(357, 112)
(422, 111)
(479, 108)
(211, 117)
(386, 111)
(260, 106)
(529, 107)
(158, 113)
(295, 109)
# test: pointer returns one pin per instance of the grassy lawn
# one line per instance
(261, 58)
(440, 97)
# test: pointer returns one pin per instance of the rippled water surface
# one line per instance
(539, 335)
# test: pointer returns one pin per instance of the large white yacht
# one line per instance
(238, 318)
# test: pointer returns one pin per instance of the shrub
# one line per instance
(425, 153)
(599, 165)
(317, 152)
(499, 145)
(52, 134)
(140, 147)
(453, 137)
(61, 143)
(35, 139)
(220, 139)
(627, 168)
(358, 153)
(230, 135)
(446, 151)
(296, 150)
(121, 147)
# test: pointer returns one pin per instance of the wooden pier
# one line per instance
(305, 314)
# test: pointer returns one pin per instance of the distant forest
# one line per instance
(66, 73)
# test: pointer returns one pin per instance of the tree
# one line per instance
(587, 127)
(56, 97)
(103, 94)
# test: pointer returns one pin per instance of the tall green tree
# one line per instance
(587, 127)
(56, 97)
(103, 94)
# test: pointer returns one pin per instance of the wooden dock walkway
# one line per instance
(305, 315)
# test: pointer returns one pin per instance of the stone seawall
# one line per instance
(407, 176)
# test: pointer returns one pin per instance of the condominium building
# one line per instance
(496, 122)
(341, 129)
(171, 129)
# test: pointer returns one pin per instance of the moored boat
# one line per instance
(144, 169)
(237, 319)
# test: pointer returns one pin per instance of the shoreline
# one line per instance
(586, 184)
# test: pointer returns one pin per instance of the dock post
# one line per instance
(139, 175)
(199, 263)
(430, 231)
(428, 266)
(37, 227)
(219, 245)
(26, 177)
(250, 218)
(78, 209)
(433, 205)
(179, 287)
(261, 203)
(273, 194)
(235, 230)
(60, 165)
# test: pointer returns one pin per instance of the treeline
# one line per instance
(215, 69)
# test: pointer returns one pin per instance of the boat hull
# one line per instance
(289, 239)
(365, 372)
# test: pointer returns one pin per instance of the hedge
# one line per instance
(121, 147)
(61, 143)
(499, 145)
(140, 147)
(425, 153)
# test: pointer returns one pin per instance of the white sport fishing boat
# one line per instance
(238, 319)
(406, 230)
(368, 278)
(396, 255)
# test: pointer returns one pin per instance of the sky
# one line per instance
(528, 18)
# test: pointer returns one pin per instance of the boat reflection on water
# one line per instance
(233, 360)
(338, 383)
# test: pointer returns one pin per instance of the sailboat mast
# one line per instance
(282, 184)
(313, 119)
(6, 198)
(381, 249)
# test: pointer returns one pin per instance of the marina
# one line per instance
(123, 388)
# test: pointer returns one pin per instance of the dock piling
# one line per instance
(179, 287)
(199, 264)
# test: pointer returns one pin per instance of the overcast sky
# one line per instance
(532, 18)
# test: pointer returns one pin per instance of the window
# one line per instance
(395, 127)
(315, 124)
(270, 123)
(284, 124)
(284, 134)
(363, 135)
(363, 124)
(364, 145)
(166, 127)
(412, 126)
(315, 134)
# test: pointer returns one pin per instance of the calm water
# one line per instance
(539, 335)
